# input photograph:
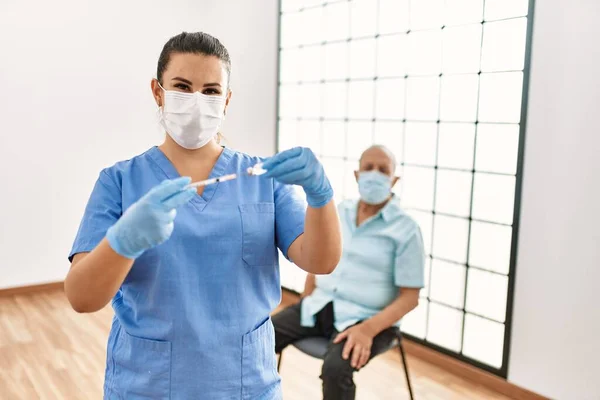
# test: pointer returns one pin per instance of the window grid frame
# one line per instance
(507, 324)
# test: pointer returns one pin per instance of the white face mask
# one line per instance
(191, 119)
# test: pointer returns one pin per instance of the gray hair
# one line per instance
(385, 149)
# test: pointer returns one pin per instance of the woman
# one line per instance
(192, 290)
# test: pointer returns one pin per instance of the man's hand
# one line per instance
(359, 339)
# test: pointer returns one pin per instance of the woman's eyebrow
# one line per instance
(177, 78)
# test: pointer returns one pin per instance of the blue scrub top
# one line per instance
(381, 255)
(192, 317)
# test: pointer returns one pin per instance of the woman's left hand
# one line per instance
(300, 166)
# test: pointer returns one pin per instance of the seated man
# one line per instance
(377, 282)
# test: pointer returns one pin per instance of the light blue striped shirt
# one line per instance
(381, 255)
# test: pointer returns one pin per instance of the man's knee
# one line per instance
(334, 366)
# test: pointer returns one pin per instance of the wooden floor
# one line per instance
(47, 351)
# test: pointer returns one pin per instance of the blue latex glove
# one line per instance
(299, 166)
(149, 221)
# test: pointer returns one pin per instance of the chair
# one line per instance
(317, 347)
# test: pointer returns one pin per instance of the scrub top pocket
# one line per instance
(258, 234)
(259, 369)
(142, 368)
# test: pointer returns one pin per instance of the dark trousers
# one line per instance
(337, 372)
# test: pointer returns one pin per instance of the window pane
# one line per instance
(424, 52)
(393, 16)
(448, 283)
(453, 193)
(335, 168)
(500, 9)
(420, 143)
(426, 14)
(459, 98)
(461, 12)
(390, 135)
(337, 18)
(500, 97)
(422, 99)
(334, 138)
(290, 5)
(291, 30)
(313, 17)
(364, 18)
(334, 100)
(497, 148)
(486, 294)
(362, 58)
(288, 101)
(425, 221)
(313, 63)
(360, 136)
(389, 98)
(484, 340)
(450, 238)
(417, 187)
(456, 146)
(425, 290)
(287, 134)
(336, 60)
(493, 198)
(414, 322)
(310, 97)
(290, 65)
(461, 49)
(390, 60)
(360, 99)
(445, 326)
(350, 185)
(504, 45)
(490, 246)
(309, 135)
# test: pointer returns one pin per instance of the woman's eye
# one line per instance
(210, 92)
(182, 87)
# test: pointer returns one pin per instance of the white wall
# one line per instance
(556, 329)
(75, 97)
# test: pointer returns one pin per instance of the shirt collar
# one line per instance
(390, 211)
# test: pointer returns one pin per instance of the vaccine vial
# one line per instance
(256, 170)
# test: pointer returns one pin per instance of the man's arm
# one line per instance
(407, 301)
(360, 337)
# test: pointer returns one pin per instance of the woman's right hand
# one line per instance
(149, 221)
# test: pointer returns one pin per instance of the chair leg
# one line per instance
(279, 361)
(403, 356)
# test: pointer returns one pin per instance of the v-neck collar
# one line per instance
(219, 169)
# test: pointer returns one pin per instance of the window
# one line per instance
(441, 82)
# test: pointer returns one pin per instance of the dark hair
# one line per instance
(197, 43)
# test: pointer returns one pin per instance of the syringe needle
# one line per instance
(212, 181)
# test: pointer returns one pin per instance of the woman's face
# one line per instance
(189, 73)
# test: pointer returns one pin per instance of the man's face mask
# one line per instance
(374, 187)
